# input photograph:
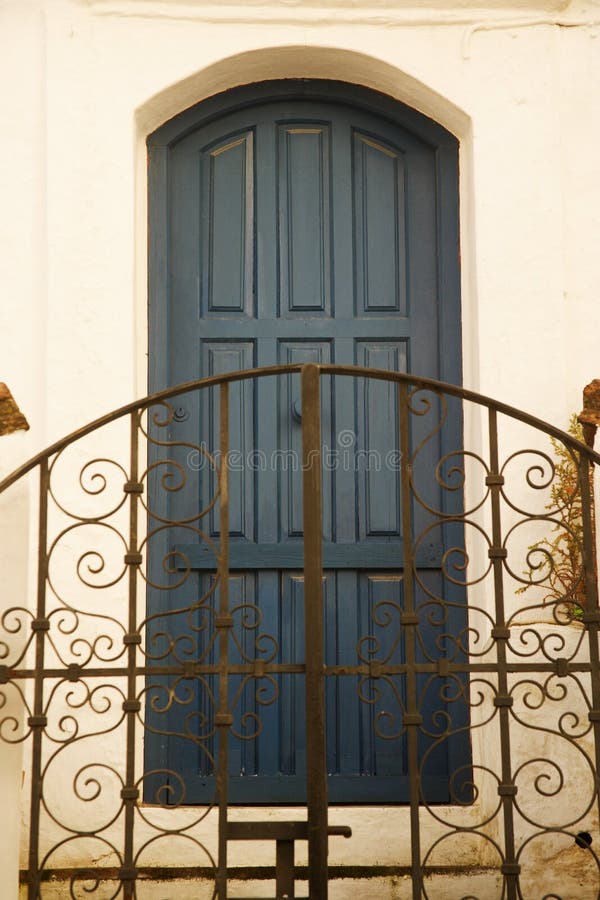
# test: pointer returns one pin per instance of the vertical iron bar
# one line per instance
(284, 869)
(36, 721)
(591, 613)
(409, 622)
(510, 868)
(316, 771)
(223, 718)
(132, 704)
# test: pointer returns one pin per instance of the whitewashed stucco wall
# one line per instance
(84, 82)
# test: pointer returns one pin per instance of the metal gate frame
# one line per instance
(27, 670)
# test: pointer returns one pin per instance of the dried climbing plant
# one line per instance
(11, 417)
(561, 571)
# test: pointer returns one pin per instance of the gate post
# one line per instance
(223, 718)
(316, 773)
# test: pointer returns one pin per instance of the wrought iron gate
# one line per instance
(88, 671)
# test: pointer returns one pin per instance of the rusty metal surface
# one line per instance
(87, 671)
(316, 774)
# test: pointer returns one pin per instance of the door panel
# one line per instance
(290, 437)
(306, 229)
(304, 218)
(227, 221)
(217, 358)
(380, 226)
(378, 479)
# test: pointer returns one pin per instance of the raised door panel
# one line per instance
(380, 226)
(377, 448)
(227, 226)
(304, 218)
(218, 358)
(289, 453)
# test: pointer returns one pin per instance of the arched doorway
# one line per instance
(291, 222)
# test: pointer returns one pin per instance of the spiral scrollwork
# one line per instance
(99, 480)
(147, 657)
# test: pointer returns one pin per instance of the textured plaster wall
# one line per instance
(84, 82)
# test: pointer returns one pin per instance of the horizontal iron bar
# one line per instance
(252, 873)
(298, 668)
(159, 671)
(366, 555)
(278, 831)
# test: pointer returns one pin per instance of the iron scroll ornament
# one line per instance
(85, 670)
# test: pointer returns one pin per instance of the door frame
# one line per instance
(443, 144)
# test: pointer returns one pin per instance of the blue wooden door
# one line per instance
(294, 223)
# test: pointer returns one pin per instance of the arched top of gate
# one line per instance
(289, 64)
(415, 383)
